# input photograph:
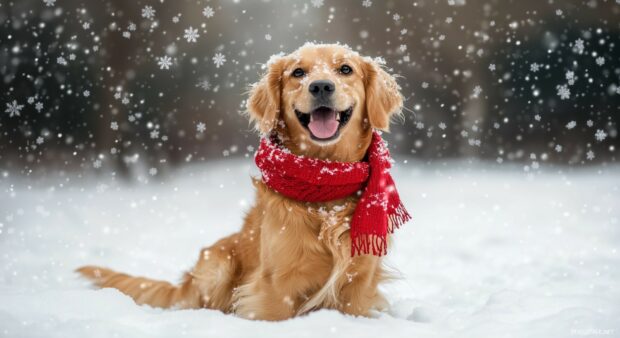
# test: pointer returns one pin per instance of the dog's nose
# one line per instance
(322, 88)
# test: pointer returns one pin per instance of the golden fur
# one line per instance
(290, 257)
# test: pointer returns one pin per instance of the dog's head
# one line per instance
(324, 100)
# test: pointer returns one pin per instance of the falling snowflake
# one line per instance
(38, 106)
(590, 155)
(563, 92)
(86, 93)
(97, 164)
(49, 3)
(201, 127)
(570, 125)
(477, 91)
(175, 19)
(600, 60)
(396, 17)
(366, 3)
(204, 84)
(600, 135)
(114, 125)
(442, 126)
(558, 148)
(148, 12)
(534, 67)
(191, 34)
(219, 59)
(153, 171)
(14, 109)
(208, 12)
(317, 3)
(61, 61)
(40, 140)
(492, 67)
(268, 37)
(164, 62)
(579, 47)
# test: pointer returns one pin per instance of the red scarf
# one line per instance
(379, 208)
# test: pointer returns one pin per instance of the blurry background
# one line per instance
(87, 85)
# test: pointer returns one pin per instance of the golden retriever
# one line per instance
(291, 257)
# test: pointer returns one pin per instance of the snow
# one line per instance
(492, 251)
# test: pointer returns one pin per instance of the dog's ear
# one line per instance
(383, 97)
(264, 101)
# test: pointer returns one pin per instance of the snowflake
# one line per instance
(579, 47)
(570, 125)
(590, 155)
(563, 92)
(442, 126)
(86, 93)
(402, 48)
(425, 85)
(600, 135)
(13, 108)
(191, 34)
(268, 37)
(126, 35)
(131, 27)
(204, 84)
(201, 127)
(570, 75)
(114, 125)
(154, 134)
(477, 91)
(534, 67)
(396, 17)
(175, 19)
(208, 12)
(38, 106)
(153, 171)
(49, 3)
(558, 148)
(219, 59)
(148, 12)
(97, 164)
(40, 140)
(317, 3)
(492, 67)
(589, 123)
(30, 100)
(61, 61)
(86, 25)
(164, 62)
(600, 60)
(366, 3)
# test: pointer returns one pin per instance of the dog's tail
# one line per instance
(146, 291)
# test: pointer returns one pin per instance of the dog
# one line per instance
(292, 257)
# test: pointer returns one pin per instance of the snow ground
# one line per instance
(491, 252)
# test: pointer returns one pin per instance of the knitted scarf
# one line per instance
(379, 209)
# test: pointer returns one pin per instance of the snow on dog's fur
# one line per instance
(291, 257)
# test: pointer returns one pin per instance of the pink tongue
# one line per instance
(323, 124)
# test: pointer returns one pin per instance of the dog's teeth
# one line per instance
(311, 117)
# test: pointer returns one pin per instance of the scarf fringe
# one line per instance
(364, 244)
(397, 218)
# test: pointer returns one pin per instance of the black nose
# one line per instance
(322, 88)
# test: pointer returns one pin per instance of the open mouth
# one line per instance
(324, 123)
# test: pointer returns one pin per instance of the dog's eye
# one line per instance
(298, 72)
(346, 69)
